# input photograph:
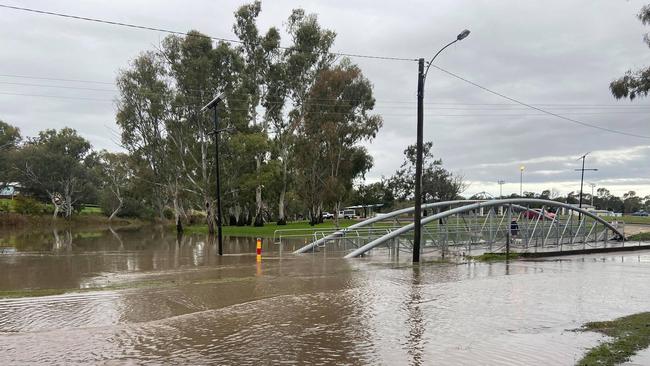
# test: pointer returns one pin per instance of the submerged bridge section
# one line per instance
(520, 224)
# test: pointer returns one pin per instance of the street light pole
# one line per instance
(501, 183)
(213, 105)
(582, 178)
(521, 181)
(592, 193)
(417, 215)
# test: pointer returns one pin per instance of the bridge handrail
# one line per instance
(474, 206)
(372, 220)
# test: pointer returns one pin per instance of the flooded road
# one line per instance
(146, 296)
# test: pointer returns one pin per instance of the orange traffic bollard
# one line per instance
(259, 249)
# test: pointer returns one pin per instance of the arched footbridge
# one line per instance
(467, 225)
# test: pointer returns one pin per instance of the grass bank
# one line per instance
(10, 220)
(629, 335)
(494, 257)
(639, 237)
(269, 229)
(629, 219)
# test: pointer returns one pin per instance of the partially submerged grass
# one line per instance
(10, 294)
(640, 237)
(493, 257)
(269, 228)
(629, 334)
(148, 284)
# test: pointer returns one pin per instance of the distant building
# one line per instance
(10, 190)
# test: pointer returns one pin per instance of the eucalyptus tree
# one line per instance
(142, 110)
(438, 184)
(259, 52)
(330, 134)
(115, 173)
(199, 71)
(635, 83)
(302, 61)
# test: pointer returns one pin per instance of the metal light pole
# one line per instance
(501, 183)
(213, 105)
(592, 193)
(417, 216)
(521, 181)
(582, 178)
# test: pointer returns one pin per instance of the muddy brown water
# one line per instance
(148, 297)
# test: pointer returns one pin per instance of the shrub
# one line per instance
(5, 206)
(28, 206)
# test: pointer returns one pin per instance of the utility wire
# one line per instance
(381, 101)
(483, 115)
(162, 30)
(96, 20)
(585, 124)
(55, 79)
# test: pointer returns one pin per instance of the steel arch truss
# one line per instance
(488, 225)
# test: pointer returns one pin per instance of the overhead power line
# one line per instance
(403, 104)
(222, 39)
(55, 79)
(168, 31)
(325, 112)
(585, 124)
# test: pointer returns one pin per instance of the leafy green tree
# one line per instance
(438, 184)
(57, 165)
(199, 72)
(631, 202)
(327, 149)
(115, 171)
(142, 110)
(373, 194)
(635, 83)
(9, 140)
(259, 53)
(291, 80)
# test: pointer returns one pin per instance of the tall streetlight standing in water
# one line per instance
(521, 181)
(422, 75)
(214, 103)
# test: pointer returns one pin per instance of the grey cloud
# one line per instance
(555, 52)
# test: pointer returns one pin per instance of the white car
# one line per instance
(327, 215)
(348, 214)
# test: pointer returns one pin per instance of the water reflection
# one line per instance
(415, 320)
(171, 299)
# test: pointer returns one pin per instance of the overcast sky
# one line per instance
(559, 55)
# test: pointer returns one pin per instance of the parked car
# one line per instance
(536, 213)
(641, 213)
(348, 214)
(327, 215)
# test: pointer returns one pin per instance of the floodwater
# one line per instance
(148, 297)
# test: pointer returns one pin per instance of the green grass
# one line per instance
(628, 334)
(629, 219)
(640, 237)
(493, 257)
(91, 210)
(268, 229)
(11, 294)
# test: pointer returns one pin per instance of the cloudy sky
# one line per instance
(559, 55)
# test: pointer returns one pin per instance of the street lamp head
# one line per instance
(521, 168)
(462, 35)
(213, 103)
